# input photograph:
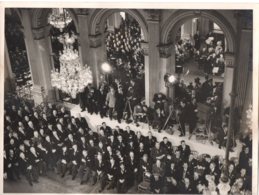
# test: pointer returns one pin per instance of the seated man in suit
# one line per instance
(122, 179)
(110, 175)
(184, 151)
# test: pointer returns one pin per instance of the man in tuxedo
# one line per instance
(166, 145)
(85, 170)
(63, 161)
(183, 116)
(222, 136)
(120, 102)
(132, 166)
(122, 179)
(171, 179)
(81, 122)
(150, 141)
(26, 167)
(184, 151)
(145, 168)
(99, 169)
(110, 175)
(34, 161)
(157, 153)
(74, 160)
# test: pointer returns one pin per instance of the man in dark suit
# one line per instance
(150, 141)
(132, 166)
(184, 151)
(222, 135)
(85, 170)
(74, 160)
(122, 179)
(99, 169)
(81, 122)
(166, 145)
(183, 116)
(25, 167)
(120, 102)
(110, 175)
(63, 161)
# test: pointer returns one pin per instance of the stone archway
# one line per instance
(99, 17)
(97, 34)
(40, 18)
(174, 22)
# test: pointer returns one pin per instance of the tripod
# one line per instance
(128, 105)
(172, 115)
(206, 131)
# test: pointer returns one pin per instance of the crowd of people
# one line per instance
(18, 55)
(124, 49)
(39, 140)
(207, 52)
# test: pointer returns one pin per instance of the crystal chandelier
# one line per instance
(59, 18)
(72, 77)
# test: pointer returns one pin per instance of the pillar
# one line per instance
(9, 77)
(194, 26)
(167, 65)
(32, 56)
(243, 66)
(39, 59)
(152, 65)
(83, 39)
(186, 30)
(145, 48)
(228, 79)
(98, 56)
(44, 63)
(204, 26)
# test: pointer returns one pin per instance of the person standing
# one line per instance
(111, 101)
(120, 101)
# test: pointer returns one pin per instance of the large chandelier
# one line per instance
(72, 77)
(59, 18)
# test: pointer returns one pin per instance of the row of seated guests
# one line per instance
(124, 44)
(209, 54)
(36, 143)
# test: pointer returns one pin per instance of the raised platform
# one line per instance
(95, 120)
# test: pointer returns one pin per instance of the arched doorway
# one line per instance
(106, 24)
(170, 31)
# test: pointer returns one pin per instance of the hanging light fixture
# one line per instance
(72, 77)
(59, 18)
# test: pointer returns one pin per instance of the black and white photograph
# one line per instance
(128, 100)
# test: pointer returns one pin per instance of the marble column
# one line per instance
(228, 79)
(98, 56)
(44, 63)
(186, 30)
(83, 39)
(145, 47)
(9, 77)
(204, 26)
(152, 65)
(167, 65)
(243, 66)
(32, 55)
(117, 19)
